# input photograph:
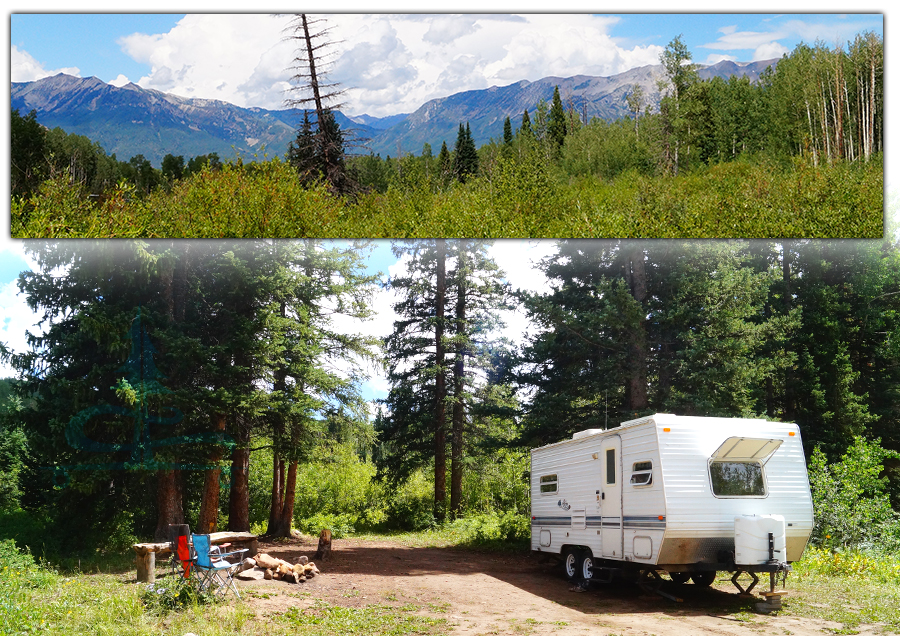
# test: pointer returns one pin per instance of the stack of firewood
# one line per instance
(281, 570)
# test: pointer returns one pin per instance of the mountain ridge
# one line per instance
(131, 120)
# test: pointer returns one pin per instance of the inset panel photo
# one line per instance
(563, 125)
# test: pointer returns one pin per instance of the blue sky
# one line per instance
(393, 63)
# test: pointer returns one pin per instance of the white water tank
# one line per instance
(751, 539)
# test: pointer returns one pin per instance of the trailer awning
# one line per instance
(747, 449)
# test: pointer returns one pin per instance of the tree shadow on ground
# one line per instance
(539, 575)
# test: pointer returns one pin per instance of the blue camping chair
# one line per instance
(212, 568)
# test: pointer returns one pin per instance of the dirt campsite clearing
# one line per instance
(479, 592)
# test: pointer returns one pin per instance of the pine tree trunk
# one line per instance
(209, 505)
(169, 486)
(277, 493)
(168, 502)
(239, 497)
(789, 405)
(459, 412)
(287, 507)
(637, 365)
(440, 419)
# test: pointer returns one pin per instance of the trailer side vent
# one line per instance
(642, 473)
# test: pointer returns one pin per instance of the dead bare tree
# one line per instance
(319, 147)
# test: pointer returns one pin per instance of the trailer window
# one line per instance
(548, 484)
(737, 479)
(642, 473)
(610, 466)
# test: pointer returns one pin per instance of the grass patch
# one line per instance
(507, 532)
(324, 619)
(852, 588)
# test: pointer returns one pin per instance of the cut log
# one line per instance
(267, 561)
(324, 550)
(146, 567)
(285, 570)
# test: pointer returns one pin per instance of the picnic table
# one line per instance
(145, 553)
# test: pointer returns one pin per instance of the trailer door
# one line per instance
(611, 497)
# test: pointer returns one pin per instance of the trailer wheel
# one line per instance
(704, 579)
(570, 563)
(679, 577)
(587, 566)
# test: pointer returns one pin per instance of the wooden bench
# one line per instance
(145, 553)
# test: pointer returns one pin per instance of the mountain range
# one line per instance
(131, 120)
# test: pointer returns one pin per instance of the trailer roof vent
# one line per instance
(590, 431)
(747, 449)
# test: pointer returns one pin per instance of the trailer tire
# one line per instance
(680, 577)
(586, 566)
(571, 563)
(704, 579)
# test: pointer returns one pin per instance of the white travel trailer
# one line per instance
(688, 495)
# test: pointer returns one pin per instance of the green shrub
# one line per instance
(410, 506)
(340, 525)
(338, 485)
(14, 558)
(525, 196)
(869, 566)
(493, 529)
(174, 595)
(29, 531)
(851, 506)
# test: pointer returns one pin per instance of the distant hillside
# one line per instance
(132, 120)
(485, 110)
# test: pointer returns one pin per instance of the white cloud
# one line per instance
(387, 63)
(744, 40)
(831, 34)
(715, 58)
(770, 51)
(24, 68)
(223, 57)
(120, 81)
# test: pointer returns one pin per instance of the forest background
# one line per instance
(248, 352)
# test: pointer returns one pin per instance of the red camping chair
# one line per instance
(182, 559)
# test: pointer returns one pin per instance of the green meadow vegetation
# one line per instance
(736, 199)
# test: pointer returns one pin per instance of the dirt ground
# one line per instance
(491, 593)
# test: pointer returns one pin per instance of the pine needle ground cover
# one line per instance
(738, 199)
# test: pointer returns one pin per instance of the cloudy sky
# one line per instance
(393, 63)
